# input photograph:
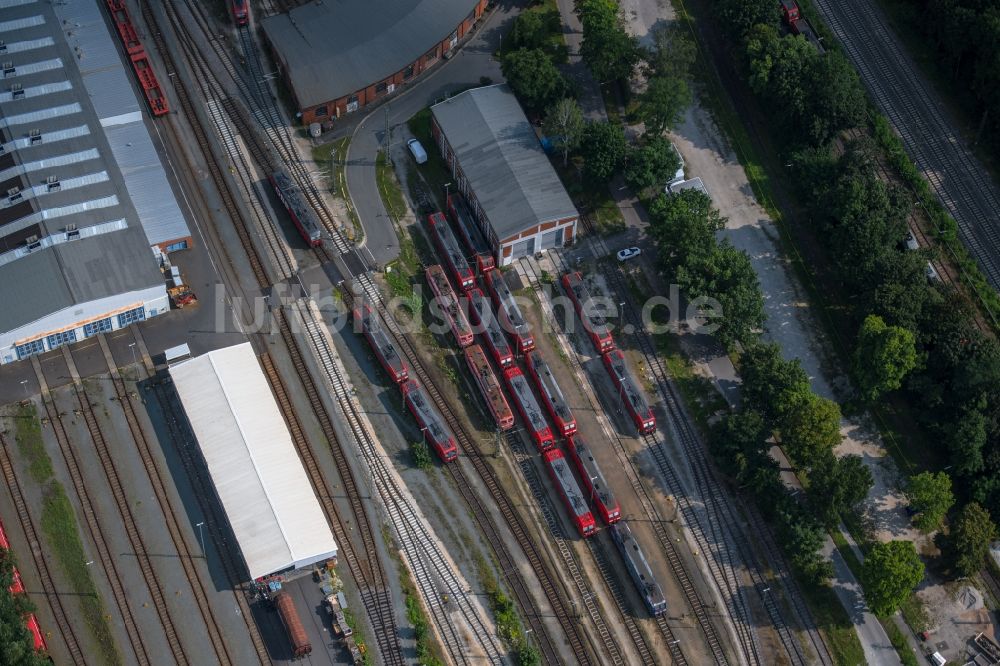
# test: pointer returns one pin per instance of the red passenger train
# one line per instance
(593, 481)
(594, 323)
(451, 251)
(534, 419)
(301, 213)
(241, 11)
(510, 314)
(568, 489)
(551, 394)
(437, 434)
(386, 352)
(481, 311)
(17, 587)
(489, 386)
(629, 393)
(448, 302)
(471, 234)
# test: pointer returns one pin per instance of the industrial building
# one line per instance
(499, 165)
(258, 477)
(86, 204)
(337, 57)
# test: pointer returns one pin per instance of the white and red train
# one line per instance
(471, 234)
(489, 386)
(597, 489)
(481, 311)
(449, 248)
(629, 393)
(527, 406)
(302, 214)
(17, 587)
(437, 434)
(551, 394)
(448, 304)
(509, 313)
(594, 323)
(385, 351)
(576, 505)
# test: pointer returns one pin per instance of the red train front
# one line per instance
(489, 386)
(451, 251)
(534, 419)
(481, 311)
(568, 489)
(510, 314)
(241, 12)
(629, 393)
(551, 394)
(593, 481)
(384, 350)
(594, 323)
(448, 303)
(470, 232)
(437, 434)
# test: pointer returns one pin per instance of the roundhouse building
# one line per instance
(86, 206)
(500, 167)
(338, 56)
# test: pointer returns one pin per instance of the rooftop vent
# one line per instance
(53, 184)
(8, 69)
(16, 91)
(14, 194)
(3, 46)
(35, 136)
(31, 239)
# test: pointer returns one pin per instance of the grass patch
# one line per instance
(898, 640)
(428, 651)
(597, 201)
(359, 637)
(833, 621)
(853, 563)
(333, 156)
(435, 171)
(915, 614)
(30, 445)
(505, 613)
(388, 187)
(420, 454)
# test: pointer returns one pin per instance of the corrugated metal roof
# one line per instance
(499, 153)
(338, 47)
(250, 456)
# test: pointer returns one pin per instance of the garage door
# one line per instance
(552, 239)
(523, 248)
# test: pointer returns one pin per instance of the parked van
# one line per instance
(418, 152)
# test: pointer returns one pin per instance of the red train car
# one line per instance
(471, 234)
(568, 489)
(594, 484)
(385, 351)
(534, 419)
(629, 393)
(437, 434)
(126, 31)
(301, 213)
(552, 395)
(594, 323)
(17, 587)
(510, 314)
(448, 302)
(481, 311)
(451, 251)
(241, 11)
(489, 386)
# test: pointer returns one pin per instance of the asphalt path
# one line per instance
(473, 61)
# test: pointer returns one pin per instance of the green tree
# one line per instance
(609, 51)
(739, 443)
(533, 78)
(967, 544)
(563, 125)
(662, 104)
(837, 485)
(889, 575)
(769, 381)
(651, 164)
(810, 429)
(673, 52)
(884, 356)
(528, 655)
(803, 540)
(603, 148)
(931, 497)
(966, 440)
(740, 15)
(421, 454)
(16, 646)
(730, 279)
(683, 227)
(533, 26)
(838, 101)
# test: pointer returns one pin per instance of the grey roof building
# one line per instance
(84, 195)
(501, 168)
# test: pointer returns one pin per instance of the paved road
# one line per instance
(473, 61)
(930, 136)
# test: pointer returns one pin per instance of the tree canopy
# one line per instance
(610, 52)
(16, 645)
(889, 575)
(931, 497)
(683, 226)
(651, 164)
(968, 543)
(739, 16)
(603, 148)
(883, 357)
(673, 53)
(563, 125)
(810, 428)
(533, 78)
(838, 485)
(769, 381)
(662, 104)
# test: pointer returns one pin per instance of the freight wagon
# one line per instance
(510, 314)
(435, 431)
(568, 489)
(551, 394)
(638, 569)
(448, 245)
(471, 234)
(241, 12)
(594, 323)
(17, 587)
(293, 625)
(385, 351)
(593, 481)
(481, 311)
(489, 386)
(534, 420)
(629, 393)
(448, 302)
(302, 215)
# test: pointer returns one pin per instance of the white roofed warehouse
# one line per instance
(500, 167)
(86, 205)
(257, 474)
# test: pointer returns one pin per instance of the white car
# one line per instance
(911, 241)
(628, 253)
(418, 152)
(932, 274)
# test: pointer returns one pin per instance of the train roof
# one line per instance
(635, 555)
(428, 414)
(550, 385)
(507, 301)
(567, 482)
(380, 339)
(628, 386)
(593, 472)
(522, 393)
(486, 379)
(468, 224)
(292, 197)
(582, 294)
(450, 244)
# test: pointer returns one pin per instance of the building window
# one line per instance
(95, 327)
(380, 88)
(173, 247)
(430, 55)
(320, 111)
(408, 72)
(60, 339)
(132, 316)
(30, 348)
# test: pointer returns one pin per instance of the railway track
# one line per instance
(184, 555)
(37, 548)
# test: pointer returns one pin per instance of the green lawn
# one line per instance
(388, 188)
(833, 621)
(332, 157)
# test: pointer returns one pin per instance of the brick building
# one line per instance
(500, 167)
(337, 57)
